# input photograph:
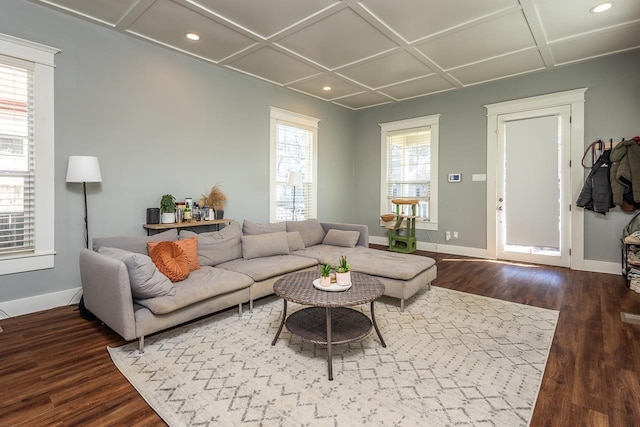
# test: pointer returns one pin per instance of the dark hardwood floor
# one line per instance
(55, 370)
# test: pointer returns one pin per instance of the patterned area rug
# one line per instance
(452, 358)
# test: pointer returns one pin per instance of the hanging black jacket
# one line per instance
(596, 194)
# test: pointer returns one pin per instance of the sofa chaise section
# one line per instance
(402, 274)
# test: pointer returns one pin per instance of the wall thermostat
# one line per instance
(455, 177)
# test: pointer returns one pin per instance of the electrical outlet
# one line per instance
(455, 234)
(447, 235)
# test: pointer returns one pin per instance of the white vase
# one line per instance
(343, 279)
(168, 217)
(325, 281)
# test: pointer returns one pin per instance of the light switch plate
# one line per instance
(479, 177)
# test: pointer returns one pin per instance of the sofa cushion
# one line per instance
(311, 231)
(144, 277)
(249, 227)
(170, 260)
(216, 247)
(262, 245)
(347, 239)
(134, 244)
(206, 282)
(363, 240)
(388, 264)
(267, 267)
(295, 241)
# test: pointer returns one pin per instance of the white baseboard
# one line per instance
(601, 267)
(18, 307)
(438, 248)
(587, 265)
(630, 318)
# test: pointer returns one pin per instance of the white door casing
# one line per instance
(573, 102)
(533, 186)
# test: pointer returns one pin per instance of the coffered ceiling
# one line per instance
(372, 52)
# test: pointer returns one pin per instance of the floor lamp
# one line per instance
(295, 180)
(84, 169)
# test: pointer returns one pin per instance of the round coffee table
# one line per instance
(328, 320)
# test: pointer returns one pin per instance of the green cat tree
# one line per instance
(403, 239)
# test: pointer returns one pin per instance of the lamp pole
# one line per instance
(86, 216)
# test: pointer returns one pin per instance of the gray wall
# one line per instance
(160, 122)
(612, 110)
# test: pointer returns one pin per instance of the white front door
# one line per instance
(533, 186)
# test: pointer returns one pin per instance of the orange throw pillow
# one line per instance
(190, 248)
(170, 259)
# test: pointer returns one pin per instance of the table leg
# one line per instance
(375, 325)
(284, 316)
(329, 349)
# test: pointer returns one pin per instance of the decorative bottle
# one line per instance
(187, 212)
(196, 215)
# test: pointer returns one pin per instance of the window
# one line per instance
(409, 167)
(26, 156)
(294, 148)
(16, 152)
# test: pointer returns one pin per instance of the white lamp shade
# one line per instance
(295, 179)
(83, 169)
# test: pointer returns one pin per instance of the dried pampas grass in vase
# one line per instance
(216, 199)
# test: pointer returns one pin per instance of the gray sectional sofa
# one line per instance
(238, 265)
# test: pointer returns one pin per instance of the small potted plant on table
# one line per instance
(343, 272)
(168, 209)
(325, 275)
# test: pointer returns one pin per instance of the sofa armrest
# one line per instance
(363, 240)
(107, 292)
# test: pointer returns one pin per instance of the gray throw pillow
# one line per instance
(295, 241)
(252, 228)
(262, 245)
(145, 278)
(217, 247)
(311, 231)
(347, 239)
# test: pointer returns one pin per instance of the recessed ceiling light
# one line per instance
(192, 36)
(326, 88)
(602, 7)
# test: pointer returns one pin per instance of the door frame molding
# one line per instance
(575, 100)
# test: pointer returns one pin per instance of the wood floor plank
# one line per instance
(588, 379)
(55, 369)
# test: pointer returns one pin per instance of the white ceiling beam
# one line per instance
(537, 31)
(135, 11)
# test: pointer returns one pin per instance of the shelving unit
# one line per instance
(629, 247)
(156, 228)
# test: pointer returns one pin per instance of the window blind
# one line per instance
(17, 150)
(294, 152)
(409, 167)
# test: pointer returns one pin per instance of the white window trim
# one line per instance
(43, 58)
(432, 121)
(311, 122)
